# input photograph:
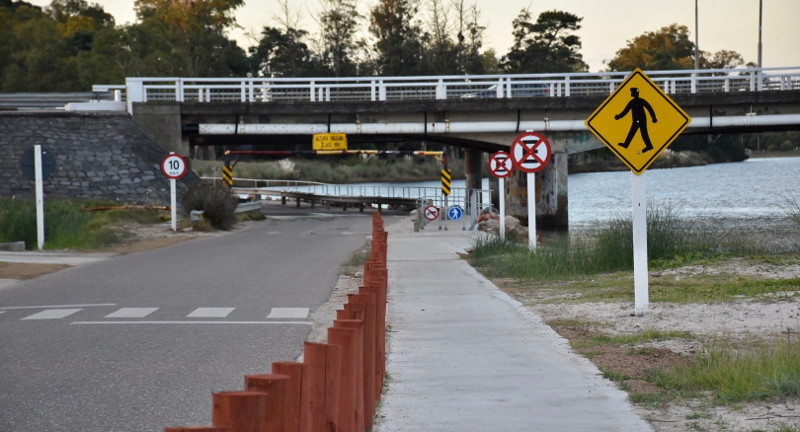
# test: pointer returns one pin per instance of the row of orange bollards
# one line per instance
(337, 386)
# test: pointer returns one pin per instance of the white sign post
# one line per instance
(531, 152)
(174, 167)
(501, 166)
(639, 210)
(647, 103)
(37, 169)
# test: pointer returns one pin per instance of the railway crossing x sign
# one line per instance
(638, 121)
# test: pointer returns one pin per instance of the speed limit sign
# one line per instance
(173, 166)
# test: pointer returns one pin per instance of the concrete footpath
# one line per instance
(464, 356)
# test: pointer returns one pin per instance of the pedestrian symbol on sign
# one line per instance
(637, 106)
(455, 213)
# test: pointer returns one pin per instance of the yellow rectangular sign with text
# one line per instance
(330, 141)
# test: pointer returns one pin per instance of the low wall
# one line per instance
(98, 155)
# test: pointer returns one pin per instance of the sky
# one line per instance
(607, 25)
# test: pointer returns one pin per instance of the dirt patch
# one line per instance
(24, 271)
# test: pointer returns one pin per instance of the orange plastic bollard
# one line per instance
(292, 389)
(319, 402)
(274, 386)
(239, 411)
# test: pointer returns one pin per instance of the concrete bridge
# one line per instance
(481, 114)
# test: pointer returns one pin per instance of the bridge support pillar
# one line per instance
(551, 194)
(473, 161)
(163, 121)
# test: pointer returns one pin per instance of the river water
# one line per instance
(755, 188)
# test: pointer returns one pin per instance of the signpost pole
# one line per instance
(173, 190)
(532, 211)
(502, 186)
(37, 169)
(640, 277)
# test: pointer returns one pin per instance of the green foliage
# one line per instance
(67, 224)
(282, 53)
(216, 202)
(669, 49)
(334, 169)
(399, 43)
(735, 374)
(548, 45)
(670, 239)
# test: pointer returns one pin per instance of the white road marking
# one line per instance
(282, 313)
(195, 322)
(132, 312)
(57, 306)
(210, 312)
(52, 314)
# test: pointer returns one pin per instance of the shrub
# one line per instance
(216, 202)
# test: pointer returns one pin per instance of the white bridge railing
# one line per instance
(264, 90)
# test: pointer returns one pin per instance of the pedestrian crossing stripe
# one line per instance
(211, 312)
(132, 313)
(49, 314)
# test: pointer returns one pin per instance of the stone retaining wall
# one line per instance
(98, 155)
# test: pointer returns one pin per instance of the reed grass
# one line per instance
(335, 169)
(792, 210)
(770, 370)
(670, 238)
(67, 224)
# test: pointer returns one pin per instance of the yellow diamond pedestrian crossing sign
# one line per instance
(638, 121)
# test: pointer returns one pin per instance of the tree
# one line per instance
(472, 61)
(722, 59)
(191, 36)
(666, 49)
(35, 56)
(669, 48)
(338, 27)
(284, 54)
(548, 45)
(399, 40)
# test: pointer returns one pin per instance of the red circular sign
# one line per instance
(173, 166)
(530, 152)
(431, 212)
(500, 164)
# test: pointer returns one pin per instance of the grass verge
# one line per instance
(691, 261)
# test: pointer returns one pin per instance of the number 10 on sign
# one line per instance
(174, 167)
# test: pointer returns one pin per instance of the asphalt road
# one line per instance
(140, 342)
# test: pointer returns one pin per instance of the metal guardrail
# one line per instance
(471, 200)
(49, 101)
(326, 89)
